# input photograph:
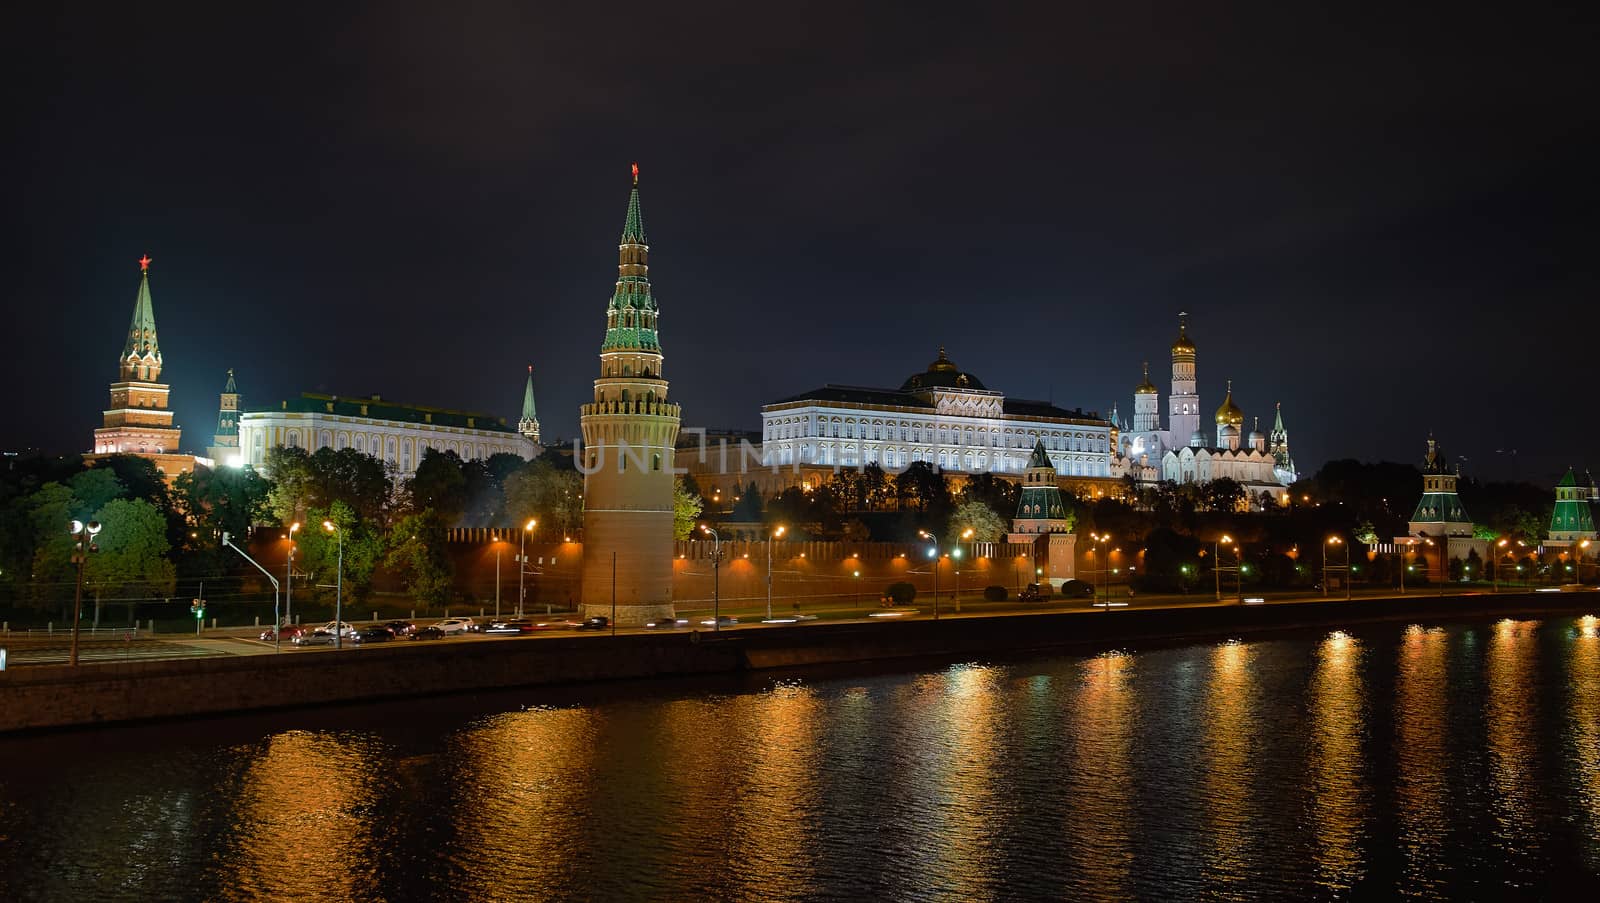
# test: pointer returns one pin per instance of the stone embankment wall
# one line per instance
(56, 696)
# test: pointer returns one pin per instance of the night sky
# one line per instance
(1385, 221)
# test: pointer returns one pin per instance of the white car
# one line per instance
(345, 628)
(454, 625)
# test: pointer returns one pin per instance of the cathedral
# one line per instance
(1182, 453)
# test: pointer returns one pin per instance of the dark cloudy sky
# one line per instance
(1384, 219)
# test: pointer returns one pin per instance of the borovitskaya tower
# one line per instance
(628, 435)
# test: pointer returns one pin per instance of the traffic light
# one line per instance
(198, 606)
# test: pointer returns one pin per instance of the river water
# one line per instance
(1418, 761)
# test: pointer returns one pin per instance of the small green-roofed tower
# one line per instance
(1572, 519)
(1041, 508)
(1439, 512)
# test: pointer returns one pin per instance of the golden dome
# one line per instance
(943, 364)
(1145, 388)
(1182, 345)
(1229, 413)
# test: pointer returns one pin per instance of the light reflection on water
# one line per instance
(1420, 761)
(1422, 750)
(1338, 779)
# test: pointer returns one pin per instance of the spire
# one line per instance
(227, 434)
(1277, 423)
(1039, 458)
(141, 353)
(633, 226)
(631, 315)
(230, 388)
(528, 412)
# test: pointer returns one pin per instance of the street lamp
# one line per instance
(1216, 564)
(1099, 543)
(522, 562)
(1405, 566)
(85, 532)
(1494, 575)
(934, 554)
(956, 555)
(277, 632)
(716, 578)
(288, 577)
(858, 588)
(338, 588)
(1336, 541)
(779, 531)
(499, 546)
(1578, 560)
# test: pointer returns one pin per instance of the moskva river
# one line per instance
(1458, 761)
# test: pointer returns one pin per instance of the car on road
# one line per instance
(667, 623)
(427, 633)
(375, 634)
(721, 620)
(512, 627)
(314, 638)
(1036, 592)
(400, 628)
(453, 626)
(290, 631)
(345, 627)
(598, 622)
(557, 624)
(1077, 589)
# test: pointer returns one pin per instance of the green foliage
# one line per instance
(1223, 494)
(94, 487)
(132, 560)
(319, 550)
(748, 508)
(985, 523)
(922, 488)
(550, 494)
(292, 484)
(417, 551)
(686, 508)
(439, 486)
(1000, 495)
(227, 500)
(900, 593)
(1364, 533)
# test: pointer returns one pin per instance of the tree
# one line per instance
(292, 484)
(94, 487)
(921, 488)
(357, 479)
(541, 490)
(319, 549)
(213, 502)
(986, 525)
(439, 486)
(417, 552)
(1000, 495)
(686, 508)
(1223, 494)
(748, 509)
(132, 561)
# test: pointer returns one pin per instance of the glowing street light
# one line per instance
(288, 577)
(338, 591)
(1216, 561)
(522, 562)
(1336, 541)
(934, 554)
(776, 532)
(82, 548)
(716, 577)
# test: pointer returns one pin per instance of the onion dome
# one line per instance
(1256, 436)
(1182, 345)
(1145, 387)
(942, 373)
(1229, 413)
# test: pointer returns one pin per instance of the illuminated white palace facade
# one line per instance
(397, 434)
(944, 416)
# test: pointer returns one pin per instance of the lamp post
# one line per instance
(522, 562)
(1336, 541)
(288, 577)
(1404, 565)
(338, 587)
(778, 531)
(499, 546)
(277, 632)
(1494, 575)
(1216, 565)
(858, 589)
(1100, 539)
(934, 554)
(716, 578)
(1577, 559)
(85, 532)
(955, 565)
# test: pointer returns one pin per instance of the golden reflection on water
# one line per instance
(303, 814)
(773, 826)
(973, 719)
(519, 790)
(1098, 830)
(1422, 751)
(1584, 748)
(1511, 714)
(1228, 772)
(1338, 773)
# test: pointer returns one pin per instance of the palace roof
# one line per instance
(375, 408)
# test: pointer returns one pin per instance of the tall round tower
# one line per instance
(629, 431)
(1183, 407)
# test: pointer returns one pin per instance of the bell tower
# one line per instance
(1183, 405)
(629, 432)
(138, 422)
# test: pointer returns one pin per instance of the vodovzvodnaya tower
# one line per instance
(628, 436)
